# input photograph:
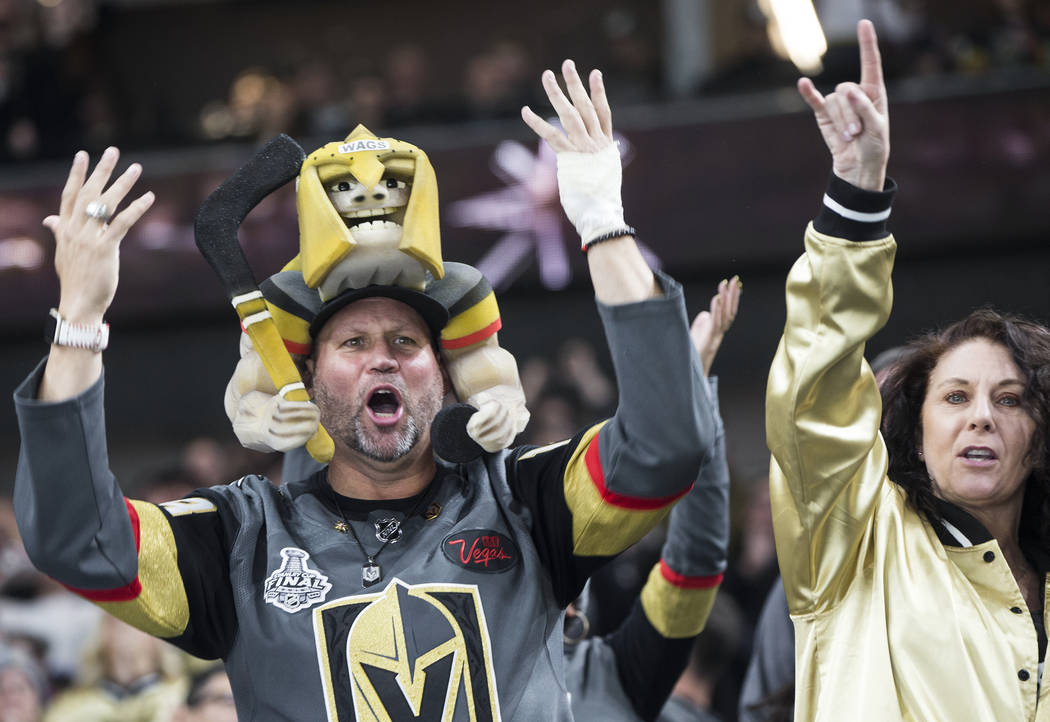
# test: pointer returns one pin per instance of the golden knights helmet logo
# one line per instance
(417, 652)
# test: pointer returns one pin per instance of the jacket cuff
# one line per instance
(853, 213)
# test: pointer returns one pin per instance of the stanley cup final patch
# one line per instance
(295, 586)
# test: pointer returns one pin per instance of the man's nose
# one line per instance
(384, 360)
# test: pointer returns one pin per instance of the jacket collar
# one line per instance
(958, 528)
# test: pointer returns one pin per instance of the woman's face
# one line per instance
(975, 432)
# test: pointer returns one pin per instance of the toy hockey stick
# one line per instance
(215, 230)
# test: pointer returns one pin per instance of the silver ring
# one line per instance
(97, 210)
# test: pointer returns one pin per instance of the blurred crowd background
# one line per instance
(722, 170)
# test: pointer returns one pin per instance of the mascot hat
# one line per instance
(324, 238)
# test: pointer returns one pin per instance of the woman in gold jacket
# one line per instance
(914, 560)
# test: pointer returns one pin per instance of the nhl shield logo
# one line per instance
(295, 586)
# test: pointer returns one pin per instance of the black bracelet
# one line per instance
(618, 233)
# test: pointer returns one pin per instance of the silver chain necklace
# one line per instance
(371, 572)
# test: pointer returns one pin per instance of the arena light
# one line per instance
(795, 33)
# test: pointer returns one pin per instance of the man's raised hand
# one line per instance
(586, 120)
(854, 120)
(87, 244)
(589, 172)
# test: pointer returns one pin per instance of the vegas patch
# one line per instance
(481, 550)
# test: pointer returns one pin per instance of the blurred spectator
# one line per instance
(208, 699)
(323, 106)
(613, 589)
(406, 90)
(127, 675)
(167, 484)
(973, 36)
(367, 105)
(631, 60)
(768, 690)
(259, 106)
(751, 572)
(753, 557)
(42, 63)
(563, 396)
(552, 420)
(693, 695)
(497, 82)
(579, 368)
(37, 615)
(744, 59)
(207, 462)
(23, 687)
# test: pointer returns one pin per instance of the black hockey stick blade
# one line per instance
(221, 213)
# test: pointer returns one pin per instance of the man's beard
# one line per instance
(349, 422)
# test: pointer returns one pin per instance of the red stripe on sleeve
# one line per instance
(474, 337)
(684, 582)
(594, 467)
(120, 594)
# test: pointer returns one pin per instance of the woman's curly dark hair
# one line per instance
(904, 389)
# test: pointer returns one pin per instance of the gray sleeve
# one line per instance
(663, 426)
(698, 536)
(772, 666)
(70, 510)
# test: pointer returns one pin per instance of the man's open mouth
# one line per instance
(384, 406)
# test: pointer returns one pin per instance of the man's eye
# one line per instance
(404, 341)
(955, 397)
(355, 341)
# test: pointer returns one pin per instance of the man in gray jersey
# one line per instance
(390, 584)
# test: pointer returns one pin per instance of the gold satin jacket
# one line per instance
(891, 621)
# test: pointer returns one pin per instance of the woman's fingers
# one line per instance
(865, 109)
(852, 122)
(833, 105)
(736, 289)
(871, 65)
(811, 95)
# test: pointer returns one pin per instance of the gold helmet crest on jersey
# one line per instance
(368, 214)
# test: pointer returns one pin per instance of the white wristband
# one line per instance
(61, 332)
(589, 187)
